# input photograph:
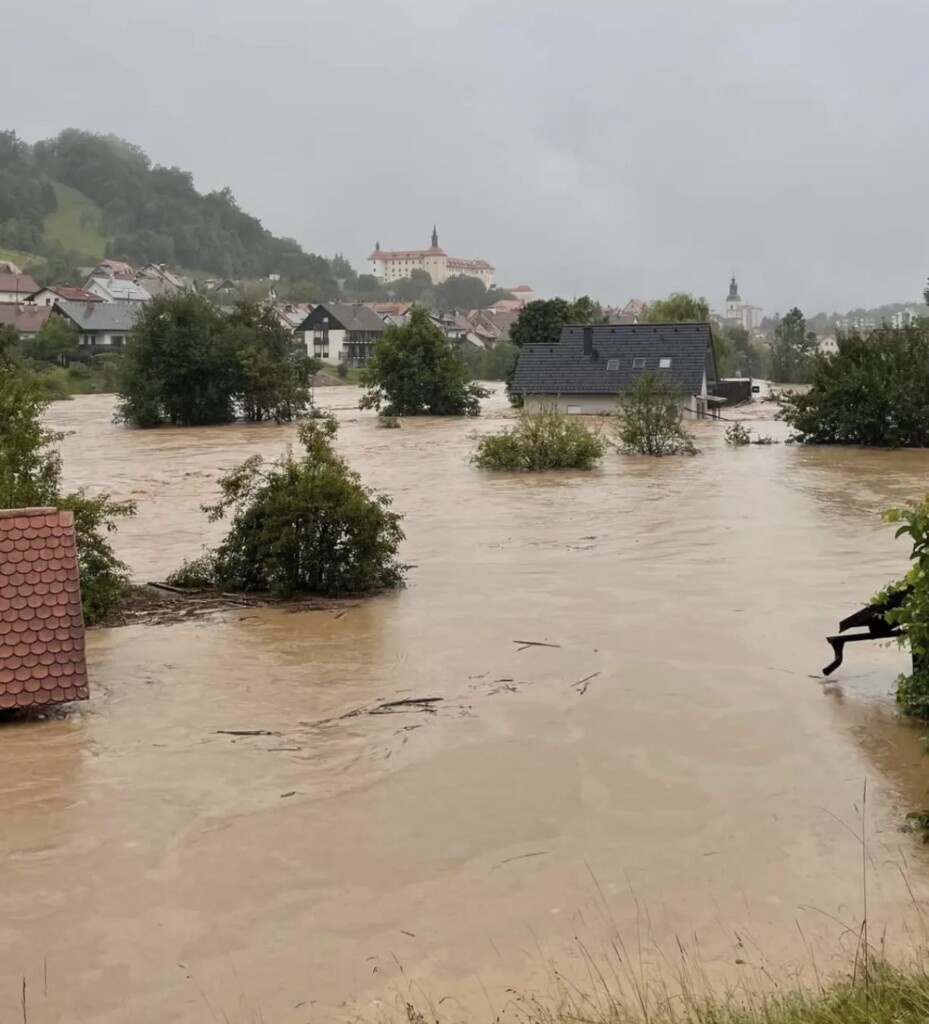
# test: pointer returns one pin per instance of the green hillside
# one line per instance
(75, 224)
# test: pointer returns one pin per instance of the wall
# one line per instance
(593, 405)
(335, 347)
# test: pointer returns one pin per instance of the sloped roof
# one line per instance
(100, 316)
(25, 319)
(561, 368)
(346, 315)
(120, 289)
(68, 292)
(20, 283)
(41, 625)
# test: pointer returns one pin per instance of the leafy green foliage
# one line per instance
(55, 342)
(678, 308)
(541, 440)
(873, 391)
(912, 615)
(388, 422)
(30, 477)
(541, 321)
(25, 197)
(415, 372)
(650, 419)
(303, 525)
(187, 363)
(793, 350)
(494, 363)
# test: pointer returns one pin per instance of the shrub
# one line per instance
(196, 574)
(650, 419)
(80, 371)
(342, 370)
(737, 435)
(303, 525)
(388, 422)
(30, 476)
(540, 441)
(912, 615)
(873, 391)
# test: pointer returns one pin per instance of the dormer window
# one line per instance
(664, 363)
(638, 364)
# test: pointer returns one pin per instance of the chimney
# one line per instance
(588, 340)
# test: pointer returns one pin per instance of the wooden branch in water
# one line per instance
(246, 732)
(582, 684)
(534, 643)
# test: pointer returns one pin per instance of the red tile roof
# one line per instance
(469, 264)
(72, 294)
(405, 254)
(21, 284)
(25, 319)
(41, 625)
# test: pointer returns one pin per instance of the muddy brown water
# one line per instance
(705, 784)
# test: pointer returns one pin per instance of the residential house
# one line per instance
(101, 326)
(49, 296)
(591, 365)
(341, 332)
(156, 279)
(828, 345)
(291, 314)
(458, 329)
(225, 286)
(27, 320)
(394, 308)
(117, 289)
(493, 325)
(112, 268)
(16, 288)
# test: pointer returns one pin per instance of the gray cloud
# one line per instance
(617, 148)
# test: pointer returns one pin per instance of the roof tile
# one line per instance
(41, 626)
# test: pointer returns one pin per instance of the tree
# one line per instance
(187, 363)
(586, 310)
(541, 321)
(792, 350)
(415, 372)
(494, 363)
(303, 525)
(678, 308)
(55, 342)
(873, 391)
(650, 419)
(542, 440)
(30, 477)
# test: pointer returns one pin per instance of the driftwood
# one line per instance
(534, 643)
(246, 732)
(582, 684)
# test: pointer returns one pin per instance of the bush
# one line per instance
(30, 477)
(541, 441)
(912, 615)
(414, 372)
(388, 422)
(873, 391)
(80, 371)
(737, 435)
(650, 419)
(342, 370)
(303, 525)
(198, 574)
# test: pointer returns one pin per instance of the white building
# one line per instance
(903, 318)
(392, 265)
(739, 313)
(117, 289)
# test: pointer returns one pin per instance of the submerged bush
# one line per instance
(388, 422)
(912, 614)
(650, 419)
(737, 435)
(540, 441)
(301, 525)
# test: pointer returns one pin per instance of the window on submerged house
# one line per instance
(638, 364)
(664, 363)
(612, 364)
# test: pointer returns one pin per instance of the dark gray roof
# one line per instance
(562, 368)
(352, 317)
(101, 316)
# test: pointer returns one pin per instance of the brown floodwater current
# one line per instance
(705, 784)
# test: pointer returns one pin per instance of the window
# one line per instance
(574, 410)
(612, 364)
(638, 364)
(664, 363)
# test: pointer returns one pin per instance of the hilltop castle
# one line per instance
(391, 265)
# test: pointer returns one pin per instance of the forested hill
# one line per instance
(119, 204)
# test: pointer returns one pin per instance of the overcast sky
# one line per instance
(614, 147)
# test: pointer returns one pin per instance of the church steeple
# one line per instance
(435, 238)
(733, 291)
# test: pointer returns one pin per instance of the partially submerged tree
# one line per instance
(678, 308)
(911, 615)
(186, 363)
(304, 524)
(30, 477)
(415, 372)
(792, 351)
(541, 321)
(541, 441)
(650, 419)
(873, 391)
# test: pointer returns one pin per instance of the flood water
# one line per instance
(706, 784)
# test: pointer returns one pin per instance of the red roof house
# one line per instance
(41, 625)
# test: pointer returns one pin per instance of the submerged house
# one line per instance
(590, 366)
(101, 326)
(41, 625)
